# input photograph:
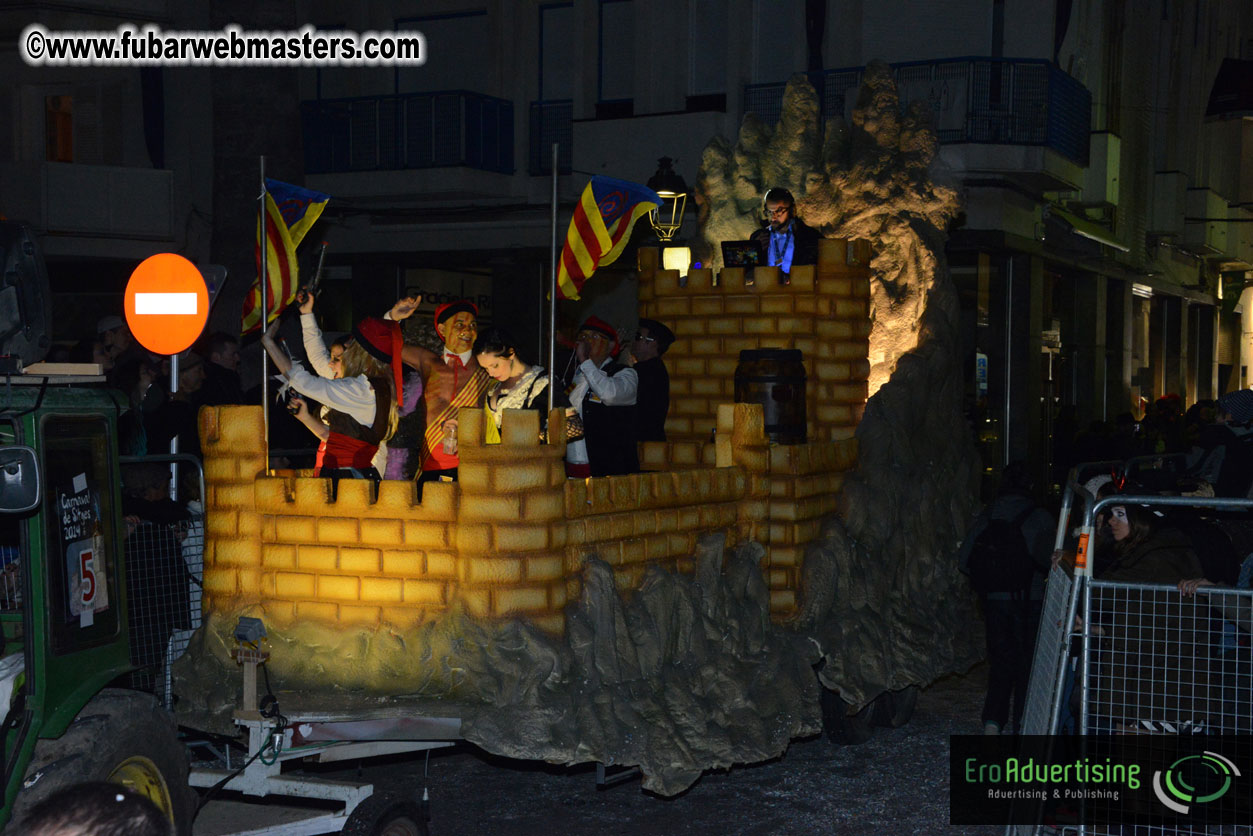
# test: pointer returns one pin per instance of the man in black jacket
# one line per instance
(652, 401)
(785, 241)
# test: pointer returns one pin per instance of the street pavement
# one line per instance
(895, 784)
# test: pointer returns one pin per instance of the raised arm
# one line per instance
(414, 356)
(281, 361)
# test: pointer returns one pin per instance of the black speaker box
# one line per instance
(25, 297)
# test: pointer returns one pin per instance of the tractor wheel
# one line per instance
(892, 709)
(386, 815)
(123, 737)
(842, 727)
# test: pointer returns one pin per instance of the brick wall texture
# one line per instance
(510, 538)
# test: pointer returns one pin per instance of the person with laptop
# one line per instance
(785, 241)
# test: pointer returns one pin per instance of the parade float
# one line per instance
(674, 618)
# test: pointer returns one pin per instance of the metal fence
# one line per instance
(415, 130)
(164, 561)
(1157, 662)
(973, 100)
(1142, 659)
(551, 121)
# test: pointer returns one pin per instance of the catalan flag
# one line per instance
(600, 229)
(289, 213)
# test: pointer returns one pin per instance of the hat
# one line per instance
(659, 332)
(450, 309)
(189, 360)
(382, 340)
(108, 323)
(595, 323)
(1238, 404)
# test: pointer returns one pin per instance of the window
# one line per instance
(707, 49)
(617, 55)
(778, 41)
(556, 52)
(460, 54)
(78, 515)
(59, 129)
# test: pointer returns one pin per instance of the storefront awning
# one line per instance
(1087, 229)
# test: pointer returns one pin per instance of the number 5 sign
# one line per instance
(88, 592)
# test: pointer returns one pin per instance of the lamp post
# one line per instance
(667, 219)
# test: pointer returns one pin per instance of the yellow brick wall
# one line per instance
(824, 312)
(510, 538)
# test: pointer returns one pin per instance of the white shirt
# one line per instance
(464, 357)
(591, 380)
(354, 396)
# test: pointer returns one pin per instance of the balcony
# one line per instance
(452, 128)
(90, 201)
(551, 121)
(974, 100)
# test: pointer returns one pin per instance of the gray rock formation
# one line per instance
(882, 595)
(689, 674)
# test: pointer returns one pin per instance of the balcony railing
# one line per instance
(983, 100)
(413, 130)
(552, 121)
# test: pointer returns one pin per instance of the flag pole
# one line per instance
(552, 293)
(263, 240)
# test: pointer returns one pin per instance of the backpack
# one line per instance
(999, 559)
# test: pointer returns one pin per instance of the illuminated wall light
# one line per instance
(677, 258)
(1141, 290)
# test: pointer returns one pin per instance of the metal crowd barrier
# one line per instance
(164, 579)
(1152, 661)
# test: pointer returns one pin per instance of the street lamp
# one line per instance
(667, 218)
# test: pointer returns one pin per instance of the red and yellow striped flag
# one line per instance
(600, 229)
(289, 213)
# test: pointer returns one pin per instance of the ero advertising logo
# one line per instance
(1178, 787)
(1101, 780)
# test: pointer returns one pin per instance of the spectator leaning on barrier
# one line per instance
(1153, 656)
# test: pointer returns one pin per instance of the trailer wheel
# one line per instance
(893, 709)
(386, 815)
(123, 737)
(843, 728)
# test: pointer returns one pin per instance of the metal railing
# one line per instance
(1152, 661)
(407, 131)
(973, 100)
(551, 121)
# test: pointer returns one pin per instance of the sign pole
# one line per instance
(263, 239)
(552, 293)
(167, 305)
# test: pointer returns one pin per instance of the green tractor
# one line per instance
(67, 663)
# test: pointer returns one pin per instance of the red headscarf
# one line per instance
(382, 339)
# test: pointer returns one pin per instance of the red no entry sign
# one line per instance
(167, 303)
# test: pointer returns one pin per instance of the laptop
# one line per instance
(741, 254)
